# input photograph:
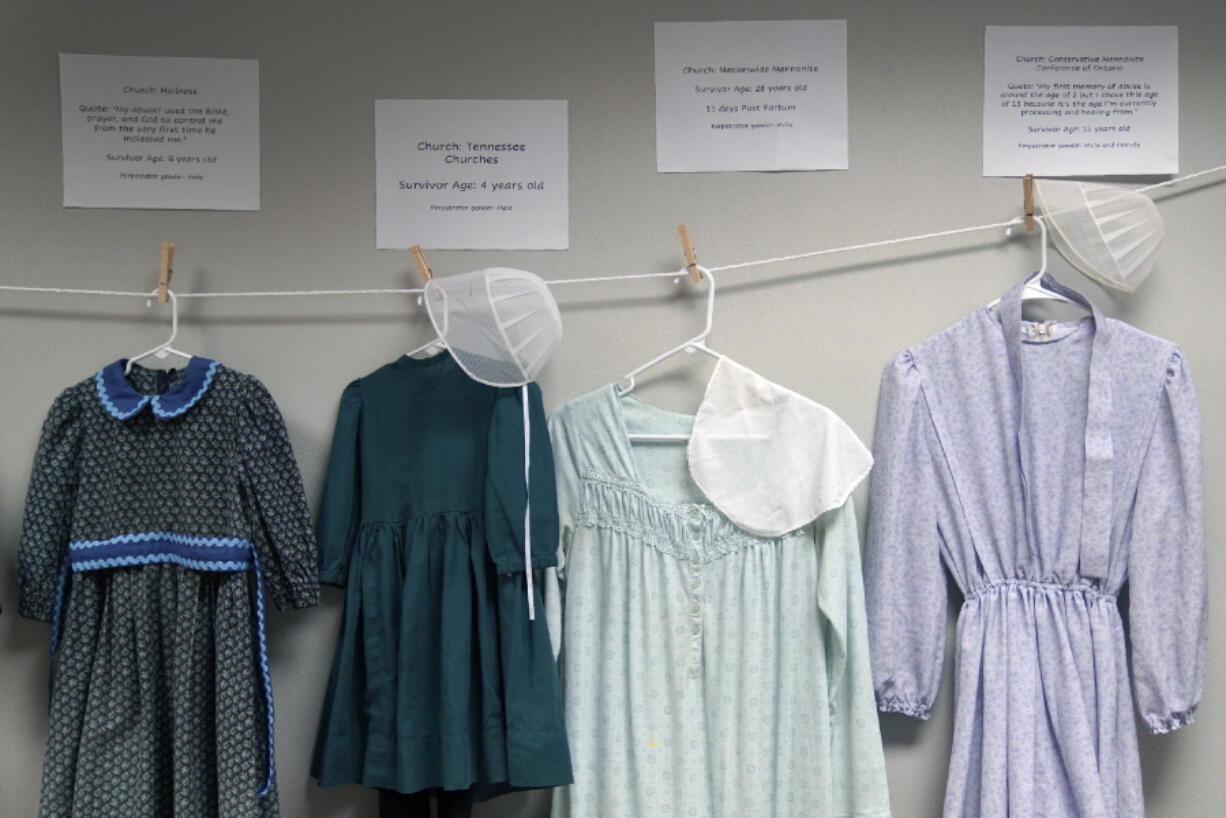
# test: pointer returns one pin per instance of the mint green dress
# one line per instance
(440, 679)
(707, 671)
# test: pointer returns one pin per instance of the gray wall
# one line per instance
(823, 328)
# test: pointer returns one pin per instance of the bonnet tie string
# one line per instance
(523, 392)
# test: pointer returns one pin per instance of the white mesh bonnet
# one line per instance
(1111, 234)
(500, 324)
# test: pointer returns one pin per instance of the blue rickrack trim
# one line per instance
(150, 559)
(190, 402)
(211, 554)
(122, 401)
(148, 547)
(265, 676)
(168, 536)
(105, 399)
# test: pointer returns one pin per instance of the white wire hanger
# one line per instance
(1034, 289)
(436, 344)
(428, 350)
(164, 349)
(696, 344)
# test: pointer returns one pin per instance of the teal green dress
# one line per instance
(441, 679)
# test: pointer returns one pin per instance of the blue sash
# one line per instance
(222, 554)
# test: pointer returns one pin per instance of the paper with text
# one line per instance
(471, 174)
(752, 95)
(160, 132)
(1080, 100)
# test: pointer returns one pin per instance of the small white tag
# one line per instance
(1040, 330)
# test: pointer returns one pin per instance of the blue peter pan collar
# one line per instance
(118, 396)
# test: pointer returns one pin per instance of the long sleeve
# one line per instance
(47, 523)
(904, 577)
(277, 506)
(505, 494)
(341, 510)
(1167, 575)
(859, 775)
(567, 480)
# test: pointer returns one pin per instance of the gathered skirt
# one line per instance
(156, 703)
(1044, 722)
(440, 680)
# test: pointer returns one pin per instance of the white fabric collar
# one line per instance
(770, 459)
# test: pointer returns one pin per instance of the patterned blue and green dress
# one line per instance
(164, 506)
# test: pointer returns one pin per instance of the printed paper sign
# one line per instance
(1080, 100)
(768, 95)
(160, 132)
(471, 174)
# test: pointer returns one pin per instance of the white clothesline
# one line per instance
(594, 279)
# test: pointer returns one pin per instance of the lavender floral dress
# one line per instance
(1045, 467)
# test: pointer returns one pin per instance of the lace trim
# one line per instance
(1161, 726)
(912, 709)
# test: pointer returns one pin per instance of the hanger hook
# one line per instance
(710, 279)
(1043, 250)
(174, 315)
(174, 330)
(698, 341)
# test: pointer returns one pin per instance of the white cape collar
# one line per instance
(770, 459)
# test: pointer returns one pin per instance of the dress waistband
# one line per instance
(214, 554)
(994, 588)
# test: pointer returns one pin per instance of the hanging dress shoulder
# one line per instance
(440, 679)
(1044, 468)
(711, 669)
(164, 509)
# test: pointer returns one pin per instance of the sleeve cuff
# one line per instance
(912, 709)
(36, 607)
(338, 578)
(1158, 725)
(300, 596)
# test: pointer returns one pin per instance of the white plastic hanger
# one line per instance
(696, 344)
(435, 345)
(1034, 289)
(163, 349)
(431, 348)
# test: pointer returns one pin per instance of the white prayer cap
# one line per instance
(770, 459)
(1109, 233)
(500, 324)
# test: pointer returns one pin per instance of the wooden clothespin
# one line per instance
(691, 257)
(1028, 199)
(166, 269)
(422, 267)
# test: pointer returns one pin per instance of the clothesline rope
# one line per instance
(596, 279)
